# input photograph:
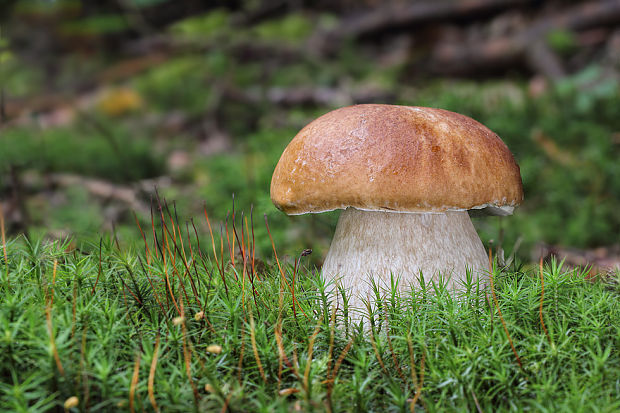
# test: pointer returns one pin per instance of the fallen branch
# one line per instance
(309, 96)
(458, 58)
(102, 189)
(406, 15)
(602, 260)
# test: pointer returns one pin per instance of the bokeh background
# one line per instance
(106, 105)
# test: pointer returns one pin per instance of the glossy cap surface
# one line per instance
(395, 158)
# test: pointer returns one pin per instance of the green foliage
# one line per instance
(96, 25)
(589, 90)
(562, 41)
(145, 3)
(83, 150)
(291, 29)
(16, 79)
(110, 308)
(178, 84)
(45, 7)
(214, 23)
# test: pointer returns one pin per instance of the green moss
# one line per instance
(206, 26)
(96, 25)
(113, 311)
(179, 84)
(562, 41)
(292, 29)
(117, 157)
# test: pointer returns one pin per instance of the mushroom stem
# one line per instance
(377, 244)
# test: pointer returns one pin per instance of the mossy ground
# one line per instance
(170, 327)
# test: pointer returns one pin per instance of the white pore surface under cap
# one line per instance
(376, 244)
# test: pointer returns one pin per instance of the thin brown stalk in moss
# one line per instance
(222, 249)
(183, 255)
(146, 244)
(250, 249)
(414, 374)
(156, 242)
(282, 354)
(241, 354)
(376, 350)
(255, 349)
(244, 262)
(73, 308)
(296, 359)
(187, 355)
(283, 277)
(125, 286)
(202, 257)
(330, 350)
(230, 248)
(420, 384)
(282, 358)
(158, 247)
(226, 403)
(253, 243)
(217, 264)
(151, 380)
(148, 278)
(542, 296)
(328, 380)
(341, 358)
(180, 232)
(193, 261)
(478, 408)
(165, 263)
(499, 311)
(50, 329)
(134, 382)
(240, 242)
(98, 270)
(334, 372)
(389, 340)
(199, 249)
(306, 382)
(84, 374)
(172, 253)
(6, 257)
(297, 262)
(486, 294)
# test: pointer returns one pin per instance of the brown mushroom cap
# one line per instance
(395, 158)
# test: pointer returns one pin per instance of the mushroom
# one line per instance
(405, 178)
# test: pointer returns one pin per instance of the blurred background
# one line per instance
(104, 103)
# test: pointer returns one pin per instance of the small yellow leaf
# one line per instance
(214, 348)
(287, 392)
(117, 102)
(71, 402)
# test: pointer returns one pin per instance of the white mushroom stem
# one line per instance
(377, 244)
